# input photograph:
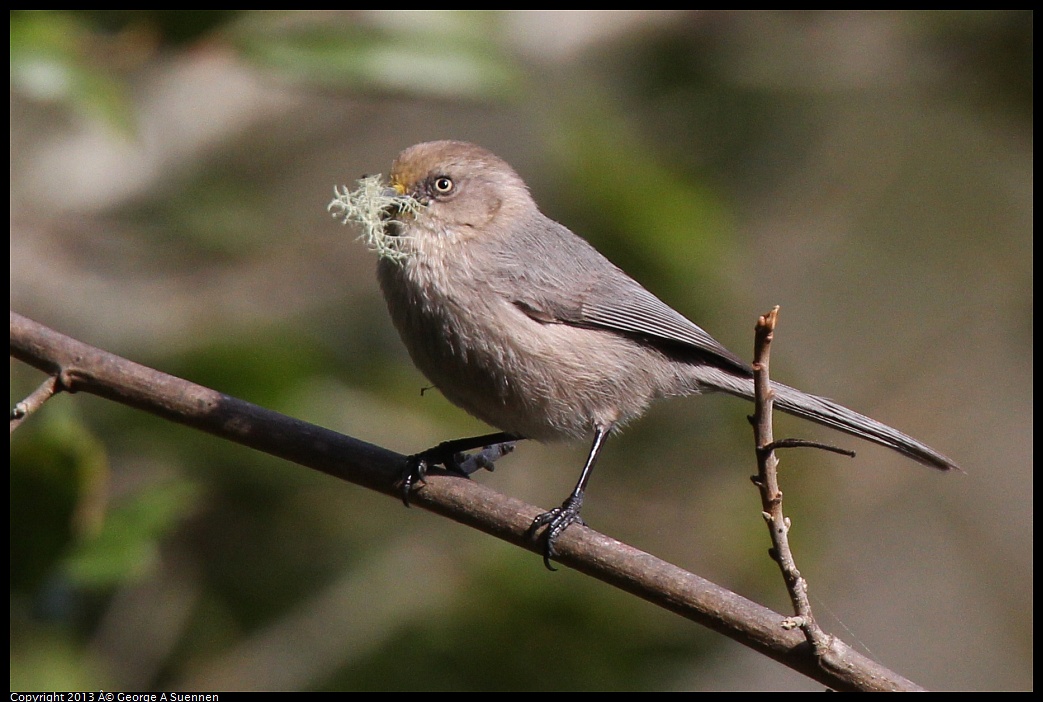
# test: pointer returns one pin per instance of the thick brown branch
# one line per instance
(83, 368)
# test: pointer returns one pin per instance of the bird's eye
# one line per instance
(443, 185)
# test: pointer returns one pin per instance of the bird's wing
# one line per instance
(585, 289)
(623, 305)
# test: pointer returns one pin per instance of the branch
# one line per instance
(78, 367)
(767, 482)
(21, 411)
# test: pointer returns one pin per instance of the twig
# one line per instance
(84, 368)
(46, 390)
(807, 443)
(767, 481)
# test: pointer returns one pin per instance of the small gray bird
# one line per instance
(526, 326)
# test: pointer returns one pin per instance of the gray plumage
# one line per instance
(526, 326)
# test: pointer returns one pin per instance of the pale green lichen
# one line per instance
(368, 206)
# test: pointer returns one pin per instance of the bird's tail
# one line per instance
(830, 414)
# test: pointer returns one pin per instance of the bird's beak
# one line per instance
(397, 197)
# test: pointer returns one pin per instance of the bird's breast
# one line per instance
(538, 379)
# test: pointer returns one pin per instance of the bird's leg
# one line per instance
(560, 518)
(450, 454)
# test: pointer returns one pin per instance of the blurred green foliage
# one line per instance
(447, 54)
(53, 58)
(57, 472)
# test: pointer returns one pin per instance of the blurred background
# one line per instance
(870, 172)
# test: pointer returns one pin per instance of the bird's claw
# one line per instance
(554, 523)
(413, 474)
(418, 464)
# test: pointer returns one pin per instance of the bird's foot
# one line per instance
(468, 463)
(446, 455)
(555, 522)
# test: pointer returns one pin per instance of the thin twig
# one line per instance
(46, 390)
(767, 481)
(807, 443)
(84, 368)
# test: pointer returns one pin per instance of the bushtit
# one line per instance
(526, 326)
